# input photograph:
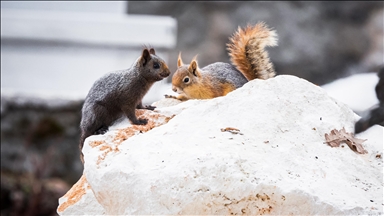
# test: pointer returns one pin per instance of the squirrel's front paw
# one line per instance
(170, 96)
(149, 107)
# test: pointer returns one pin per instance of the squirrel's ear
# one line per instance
(193, 67)
(179, 61)
(145, 57)
(152, 51)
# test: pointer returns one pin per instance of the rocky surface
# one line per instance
(259, 150)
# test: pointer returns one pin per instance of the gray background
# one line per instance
(318, 40)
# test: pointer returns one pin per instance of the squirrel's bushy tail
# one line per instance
(247, 51)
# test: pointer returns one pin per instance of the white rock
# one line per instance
(80, 195)
(277, 163)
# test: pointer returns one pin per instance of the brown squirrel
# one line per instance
(249, 61)
(119, 93)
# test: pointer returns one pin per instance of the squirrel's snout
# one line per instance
(165, 73)
(174, 89)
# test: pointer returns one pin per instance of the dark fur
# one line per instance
(374, 115)
(225, 73)
(118, 93)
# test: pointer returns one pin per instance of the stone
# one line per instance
(258, 150)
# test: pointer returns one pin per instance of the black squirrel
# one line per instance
(374, 115)
(249, 61)
(120, 92)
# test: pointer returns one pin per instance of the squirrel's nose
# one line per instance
(174, 89)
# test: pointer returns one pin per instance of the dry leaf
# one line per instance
(335, 137)
(231, 130)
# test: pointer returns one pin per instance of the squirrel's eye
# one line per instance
(186, 79)
(156, 65)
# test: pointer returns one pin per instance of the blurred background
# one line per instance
(52, 52)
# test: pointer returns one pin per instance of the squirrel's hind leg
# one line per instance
(101, 130)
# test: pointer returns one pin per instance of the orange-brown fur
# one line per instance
(246, 50)
(208, 92)
(202, 87)
(247, 54)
